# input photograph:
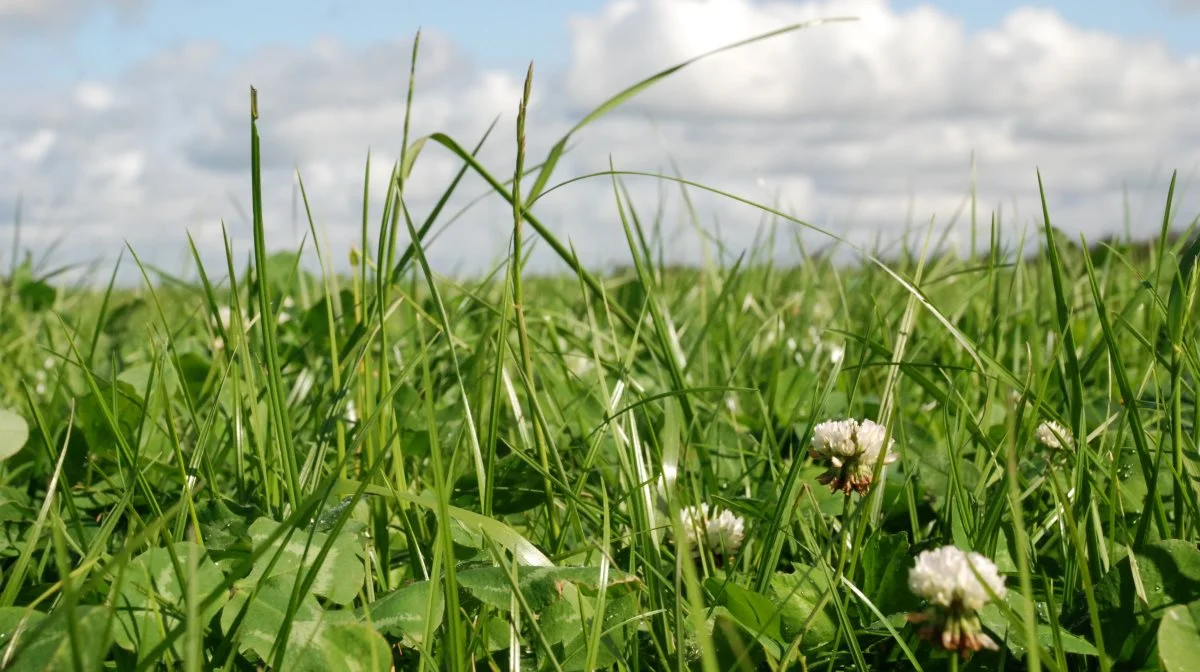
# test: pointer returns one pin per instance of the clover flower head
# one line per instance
(870, 438)
(837, 353)
(225, 319)
(285, 310)
(578, 363)
(225, 316)
(834, 440)
(956, 584)
(947, 577)
(1055, 436)
(716, 529)
(853, 449)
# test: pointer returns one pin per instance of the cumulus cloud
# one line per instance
(863, 128)
(22, 18)
(887, 111)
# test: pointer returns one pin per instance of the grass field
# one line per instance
(296, 469)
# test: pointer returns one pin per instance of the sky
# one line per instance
(125, 121)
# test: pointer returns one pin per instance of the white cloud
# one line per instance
(21, 18)
(896, 103)
(36, 147)
(858, 127)
(94, 96)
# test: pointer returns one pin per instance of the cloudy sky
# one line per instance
(125, 121)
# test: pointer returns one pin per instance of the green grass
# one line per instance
(388, 467)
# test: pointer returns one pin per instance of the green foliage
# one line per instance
(338, 578)
(14, 432)
(41, 642)
(805, 612)
(406, 614)
(1179, 638)
(320, 639)
(1133, 600)
(293, 467)
(152, 596)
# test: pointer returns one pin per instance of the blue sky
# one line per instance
(498, 34)
(122, 136)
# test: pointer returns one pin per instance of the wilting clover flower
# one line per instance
(956, 586)
(1055, 436)
(853, 449)
(716, 529)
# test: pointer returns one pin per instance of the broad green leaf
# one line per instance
(1168, 573)
(14, 432)
(799, 594)
(128, 411)
(36, 295)
(16, 506)
(338, 579)
(152, 598)
(1179, 638)
(931, 462)
(788, 390)
(756, 613)
(138, 377)
(121, 319)
(318, 640)
(52, 649)
(737, 647)
(620, 619)
(885, 566)
(540, 586)
(516, 486)
(1013, 636)
(401, 613)
(560, 622)
(223, 528)
(497, 531)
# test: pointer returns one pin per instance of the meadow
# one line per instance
(921, 460)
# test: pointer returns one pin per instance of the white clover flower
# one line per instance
(944, 576)
(956, 584)
(870, 438)
(718, 530)
(285, 310)
(853, 449)
(578, 363)
(749, 302)
(225, 319)
(772, 335)
(724, 532)
(837, 353)
(834, 439)
(1054, 435)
